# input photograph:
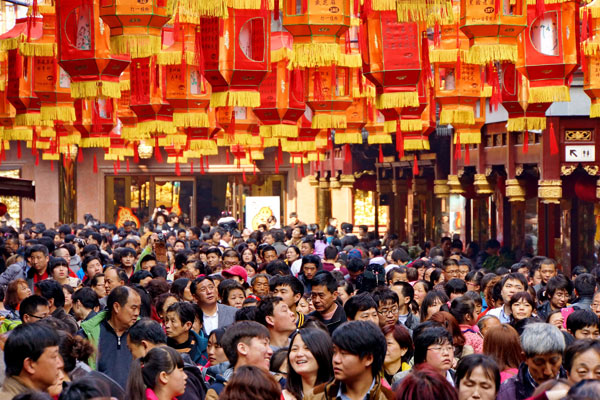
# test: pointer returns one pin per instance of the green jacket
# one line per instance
(91, 330)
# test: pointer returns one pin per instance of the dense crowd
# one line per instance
(169, 311)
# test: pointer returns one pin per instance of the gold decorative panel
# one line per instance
(578, 135)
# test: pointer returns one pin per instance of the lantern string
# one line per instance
(95, 164)
(467, 154)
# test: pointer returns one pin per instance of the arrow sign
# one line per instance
(580, 153)
(573, 153)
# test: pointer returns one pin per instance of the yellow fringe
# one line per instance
(94, 89)
(280, 54)
(271, 142)
(595, 11)
(113, 157)
(397, 99)
(18, 134)
(125, 86)
(532, 2)
(549, 94)
(536, 123)
(516, 124)
(205, 8)
(203, 144)
(172, 140)
(248, 4)
(102, 141)
(428, 12)
(28, 119)
(235, 99)
(121, 151)
(466, 117)
(411, 125)
(443, 55)
(411, 144)
(295, 146)
(138, 46)
(350, 60)
(468, 137)
(486, 91)
(389, 126)
(174, 58)
(156, 126)
(368, 92)
(310, 55)
(325, 121)
(11, 44)
(40, 144)
(2, 83)
(379, 139)
(33, 49)
(484, 54)
(133, 133)
(46, 9)
(191, 120)
(257, 154)
(63, 112)
(74, 138)
(595, 110)
(50, 156)
(279, 131)
(590, 47)
(384, 5)
(348, 138)
(47, 132)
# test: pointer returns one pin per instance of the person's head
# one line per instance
(450, 268)
(502, 342)
(214, 348)
(273, 312)
(420, 288)
(310, 354)
(92, 265)
(587, 389)
(232, 293)
(399, 344)
(179, 320)
(141, 278)
(454, 288)
(582, 360)
(247, 343)
(161, 370)
(585, 285)
(123, 306)
(345, 290)
(463, 309)
(58, 269)
(477, 377)
(521, 305)
(583, 324)
(114, 277)
(33, 309)
(84, 301)
(543, 345)
(17, 291)
(512, 283)
(361, 307)
(204, 290)
(387, 305)
(31, 354)
(311, 264)
(269, 254)
(307, 247)
(558, 291)
(433, 345)
(292, 254)
(548, 269)
(38, 258)
(324, 292)
(144, 335)
(433, 302)
(425, 383)
(359, 349)
(289, 288)
(260, 284)
(128, 256)
(98, 285)
(251, 382)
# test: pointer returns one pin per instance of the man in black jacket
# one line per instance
(146, 334)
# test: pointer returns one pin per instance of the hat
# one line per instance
(354, 253)
(236, 270)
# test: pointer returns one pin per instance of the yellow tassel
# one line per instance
(469, 136)
(74, 138)
(113, 157)
(203, 144)
(94, 89)
(484, 54)
(156, 126)
(466, 117)
(442, 55)
(384, 5)
(205, 8)
(389, 126)
(379, 139)
(487, 91)
(63, 112)
(33, 49)
(46, 9)
(411, 125)
(350, 60)
(50, 156)
(168, 58)
(516, 124)
(397, 99)
(532, 2)
(590, 48)
(102, 141)
(595, 11)
(47, 132)
(121, 151)
(6, 145)
(310, 55)
(172, 140)
(133, 133)
(257, 154)
(271, 142)
(28, 119)
(246, 4)
(421, 11)
(191, 120)
(125, 86)
(40, 145)
(138, 46)
(536, 123)
(18, 134)
(368, 92)
(595, 110)
(235, 99)
(348, 137)
(411, 144)
(549, 94)
(282, 53)
(324, 121)
(12, 43)
(279, 131)
(295, 146)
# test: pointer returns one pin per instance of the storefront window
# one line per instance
(13, 203)
(364, 210)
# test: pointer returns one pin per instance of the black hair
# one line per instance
(558, 282)
(467, 365)
(585, 284)
(330, 252)
(429, 299)
(55, 262)
(312, 259)
(355, 265)
(51, 289)
(325, 278)
(178, 286)
(287, 280)
(87, 297)
(30, 304)
(395, 270)
(226, 287)
(37, 248)
(576, 348)
(580, 319)
(247, 312)
(407, 289)
(121, 274)
(362, 339)
(320, 345)
(138, 276)
(454, 286)
(461, 307)
(119, 295)
(514, 276)
(145, 370)
(426, 334)
(474, 276)
(265, 308)
(198, 281)
(85, 388)
(382, 295)
(149, 330)
(242, 331)
(27, 341)
(278, 267)
(94, 281)
(184, 310)
(361, 302)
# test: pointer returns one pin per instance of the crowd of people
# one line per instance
(167, 311)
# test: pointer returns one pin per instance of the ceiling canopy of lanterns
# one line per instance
(301, 76)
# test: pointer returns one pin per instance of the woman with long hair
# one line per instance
(504, 345)
(157, 376)
(309, 362)
(17, 291)
(250, 382)
(433, 302)
(446, 319)
(399, 351)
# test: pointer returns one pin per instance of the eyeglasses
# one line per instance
(385, 311)
(36, 317)
(442, 349)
